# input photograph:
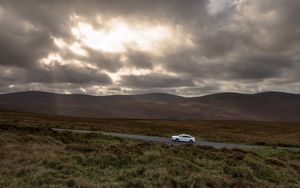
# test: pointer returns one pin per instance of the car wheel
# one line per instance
(176, 140)
(191, 141)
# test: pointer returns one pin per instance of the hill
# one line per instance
(268, 106)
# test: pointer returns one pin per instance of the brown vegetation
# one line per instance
(36, 157)
(263, 133)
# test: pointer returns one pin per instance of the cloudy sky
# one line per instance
(183, 47)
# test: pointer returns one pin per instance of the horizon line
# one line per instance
(194, 96)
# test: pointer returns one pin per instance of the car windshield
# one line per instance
(184, 135)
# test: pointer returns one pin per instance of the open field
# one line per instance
(37, 157)
(250, 132)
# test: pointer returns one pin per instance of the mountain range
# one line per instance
(267, 106)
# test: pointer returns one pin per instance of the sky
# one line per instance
(182, 47)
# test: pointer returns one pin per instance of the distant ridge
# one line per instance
(266, 106)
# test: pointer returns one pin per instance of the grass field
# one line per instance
(32, 155)
(37, 157)
(251, 132)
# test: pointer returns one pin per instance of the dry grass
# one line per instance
(37, 157)
(263, 133)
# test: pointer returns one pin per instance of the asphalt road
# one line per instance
(168, 140)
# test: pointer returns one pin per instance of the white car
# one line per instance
(183, 138)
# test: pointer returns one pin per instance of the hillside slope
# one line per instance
(269, 106)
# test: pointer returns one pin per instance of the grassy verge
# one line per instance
(37, 157)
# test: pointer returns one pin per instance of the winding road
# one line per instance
(168, 140)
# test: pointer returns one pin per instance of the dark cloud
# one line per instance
(104, 61)
(154, 81)
(221, 43)
(256, 67)
(236, 46)
(21, 46)
(259, 67)
(71, 74)
(139, 60)
(56, 74)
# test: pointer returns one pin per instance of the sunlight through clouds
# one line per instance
(52, 59)
(117, 36)
(60, 43)
(77, 49)
(138, 46)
